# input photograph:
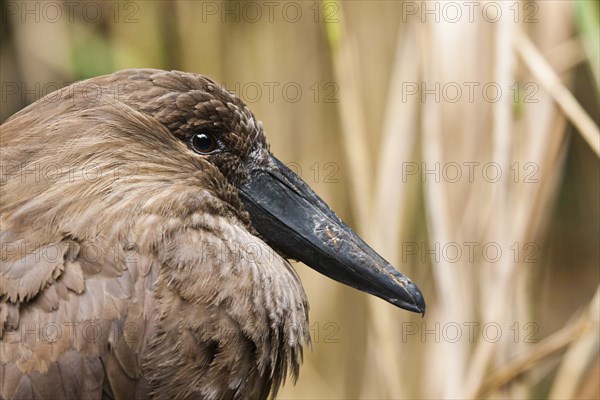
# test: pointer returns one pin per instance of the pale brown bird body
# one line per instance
(137, 259)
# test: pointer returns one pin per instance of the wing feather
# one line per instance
(24, 389)
(23, 278)
(79, 335)
(72, 278)
(48, 382)
(122, 386)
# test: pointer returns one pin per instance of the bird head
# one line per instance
(219, 128)
(214, 131)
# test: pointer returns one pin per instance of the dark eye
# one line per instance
(204, 143)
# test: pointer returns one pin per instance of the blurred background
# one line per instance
(460, 139)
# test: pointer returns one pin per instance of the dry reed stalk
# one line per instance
(450, 306)
(397, 145)
(346, 69)
(548, 78)
(502, 148)
(585, 327)
(581, 353)
(380, 345)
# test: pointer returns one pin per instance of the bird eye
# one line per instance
(204, 143)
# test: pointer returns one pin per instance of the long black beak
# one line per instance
(293, 219)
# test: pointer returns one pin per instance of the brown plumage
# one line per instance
(134, 260)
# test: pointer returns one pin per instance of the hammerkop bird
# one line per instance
(145, 232)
